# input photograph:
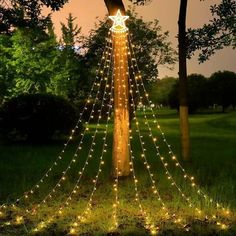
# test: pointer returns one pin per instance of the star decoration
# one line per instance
(119, 22)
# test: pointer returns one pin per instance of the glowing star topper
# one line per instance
(119, 22)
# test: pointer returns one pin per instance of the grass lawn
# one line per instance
(213, 145)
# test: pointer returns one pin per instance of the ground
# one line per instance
(213, 143)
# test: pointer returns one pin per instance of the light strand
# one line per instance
(170, 151)
(165, 164)
(74, 159)
(60, 156)
(83, 216)
(76, 186)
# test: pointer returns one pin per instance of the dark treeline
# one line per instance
(215, 92)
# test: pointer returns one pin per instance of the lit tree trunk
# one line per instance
(120, 154)
(183, 83)
(121, 107)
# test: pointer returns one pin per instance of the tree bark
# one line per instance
(114, 5)
(120, 152)
(183, 83)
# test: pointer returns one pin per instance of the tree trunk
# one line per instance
(183, 83)
(120, 153)
(114, 5)
(121, 107)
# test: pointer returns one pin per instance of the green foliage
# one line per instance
(222, 86)
(159, 91)
(36, 117)
(34, 62)
(68, 81)
(152, 47)
(33, 56)
(198, 94)
(26, 13)
(70, 32)
(219, 33)
(218, 90)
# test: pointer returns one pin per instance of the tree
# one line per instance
(183, 82)
(67, 80)
(120, 150)
(25, 13)
(112, 7)
(219, 33)
(198, 92)
(199, 96)
(70, 33)
(6, 71)
(33, 55)
(222, 86)
(152, 47)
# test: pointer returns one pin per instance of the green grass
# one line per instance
(213, 145)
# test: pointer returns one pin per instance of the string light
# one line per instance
(173, 157)
(149, 225)
(89, 156)
(83, 216)
(154, 188)
(91, 150)
(121, 71)
(30, 192)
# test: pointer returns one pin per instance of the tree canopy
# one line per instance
(220, 32)
(151, 45)
(25, 13)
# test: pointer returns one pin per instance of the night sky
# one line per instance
(166, 11)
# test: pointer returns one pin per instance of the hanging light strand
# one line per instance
(116, 38)
(123, 70)
(154, 187)
(79, 148)
(30, 192)
(164, 163)
(89, 156)
(94, 136)
(170, 151)
(154, 139)
(84, 215)
(143, 155)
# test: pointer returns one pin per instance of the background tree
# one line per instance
(222, 87)
(152, 47)
(198, 92)
(161, 89)
(219, 33)
(6, 71)
(25, 13)
(67, 81)
(183, 82)
(33, 55)
(199, 95)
